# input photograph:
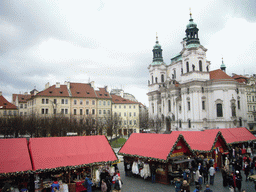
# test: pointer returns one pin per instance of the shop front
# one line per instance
(150, 156)
(69, 160)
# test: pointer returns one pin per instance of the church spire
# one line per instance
(192, 32)
(157, 51)
(223, 66)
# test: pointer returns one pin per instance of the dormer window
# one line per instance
(87, 92)
(61, 92)
(50, 91)
(100, 94)
(106, 94)
(78, 92)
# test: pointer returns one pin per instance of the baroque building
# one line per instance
(186, 95)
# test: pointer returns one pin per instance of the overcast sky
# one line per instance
(111, 42)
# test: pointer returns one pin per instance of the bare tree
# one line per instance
(155, 124)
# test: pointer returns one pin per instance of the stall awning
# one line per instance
(235, 135)
(55, 152)
(203, 141)
(154, 146)
(14, 156)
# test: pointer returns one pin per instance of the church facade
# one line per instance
(186, 95)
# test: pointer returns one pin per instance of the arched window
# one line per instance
(219, 110)
(187, 64)
(180, 125)
(202, 90)
(152, 79)
(189, 123)
(162, 78)
(200, 66)
(169, 105)
(174, 73)
(156, 79)
(181, 71)
(240, 122)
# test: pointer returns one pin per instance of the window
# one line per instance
(42, 111)
(169, 105)
(93, 102)
(238, 104)
(104, 112)
(21, 113)
(189, 123)
(75, 102)
(66, 111)
(120, 122)
(152, 79)
(156, 79)
(93, 111)
(21, 106)
(81, 101)
(130, 106)
(108, 102)
(87, 111)
(202, 90)
(99, 112)
(10, 112)
(62, 101)
(104, 103)
(203, 105)
(55, 101)
(130, 122)
(108, 112)
(62, 111)
(187, 65)
(125, 114)
(119, 106)
(115, 106)
(124, 106)
(46, 101)
(87, 102)
(124, 122)
(74, 111)
(14, 113)
(42, 101)
(240, 122)
(200, 66)
(81, 111)
(134, 122)
(219, 110)
(120, 114)
(134, 114)
(180, 124)
(187, 90)
(46, 111)
(54, 111)
(162, 78)
(99, 102)
(134, 107)
(130, 114)
(66, 101)
(152, 108)
(188, 105)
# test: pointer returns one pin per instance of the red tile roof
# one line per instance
(53, 152)
(219, 75)
(240, 78)
(82, 90)
(157, 146)
(103, 94)
(119, 100)
(235, 135)
(4, 104)
(21, 98)
(62, 91)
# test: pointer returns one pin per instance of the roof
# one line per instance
(82, 90)
(240, 78)
(150, 145)
(21, 97)
(235, 135)
(119, 100)
(62, 91)
(219, 75)
(14, 156)
(200, 140)
(103, 94)
(57, 152)
(4, 104)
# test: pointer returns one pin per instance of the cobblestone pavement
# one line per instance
(132, 184)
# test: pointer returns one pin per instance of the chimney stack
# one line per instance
(57, 85)
(0, 93)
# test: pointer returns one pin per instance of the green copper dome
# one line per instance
(191, 24)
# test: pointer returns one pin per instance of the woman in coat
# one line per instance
(118, 184)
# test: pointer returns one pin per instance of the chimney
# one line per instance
(57, 85)
(106, 88)
(47, 85)
(0, 93)
(122, 93)
(68, 85)
(92, 84)
(26, 93)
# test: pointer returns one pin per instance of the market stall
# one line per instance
(15, 164)
(208, 145)
(145, 152)
(70, 160)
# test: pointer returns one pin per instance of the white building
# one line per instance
(185, 94)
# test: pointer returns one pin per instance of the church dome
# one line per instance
(191, 24)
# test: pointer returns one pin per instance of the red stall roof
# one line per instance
(54, 152)
(235, 135)
(157, 146)
(14, 156)
(201, 140)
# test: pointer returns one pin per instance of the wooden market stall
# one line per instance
(210, 145)
(15, 163)
(70, 159)
(145, 151)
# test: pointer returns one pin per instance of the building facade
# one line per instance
(7, 109)
(186, 95)
(251, 102)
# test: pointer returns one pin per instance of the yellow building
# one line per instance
(128, 113)
(7, 109)
(21, 102)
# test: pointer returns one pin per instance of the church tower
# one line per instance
(223, 66)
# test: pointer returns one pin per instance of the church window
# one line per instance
(152, 79)
(189, 123)
(207, 68)
(152, 108)
(193, 66)
(162, 78)
(238, 104)
(240, 122)
(187, 90)
(180, 125)
(233, 109)
(156, 79)
(169, 105)
(200, 66)
(219, 110)
(181, 70)
(203, 105)
(202, 90)
(188, 105)
(187, 67)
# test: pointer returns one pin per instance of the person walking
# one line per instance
(205, 174)
(153, 173)
(212, 174)
(178, 185)
(88, 184)
(118, 185)
(246, 170)
(185, 187)
(207, 188)
(197, 177)
(224, 176)
(238, 178)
